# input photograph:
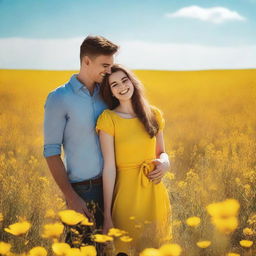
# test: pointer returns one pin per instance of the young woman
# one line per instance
(132, 144)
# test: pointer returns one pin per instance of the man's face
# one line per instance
(99, 66)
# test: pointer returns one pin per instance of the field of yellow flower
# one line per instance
(210, 136)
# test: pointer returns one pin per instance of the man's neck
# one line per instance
(87, 82)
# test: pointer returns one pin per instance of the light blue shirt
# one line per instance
(70, 118)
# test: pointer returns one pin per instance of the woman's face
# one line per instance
(121, 86)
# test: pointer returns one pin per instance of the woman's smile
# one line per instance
(124, 91)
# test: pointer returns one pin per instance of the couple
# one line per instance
(114, 149)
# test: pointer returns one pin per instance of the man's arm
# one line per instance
(162, 162)
(54, 125)
(60, 176)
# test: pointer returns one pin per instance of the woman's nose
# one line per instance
(122, 86)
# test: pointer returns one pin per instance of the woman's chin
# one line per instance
(125, 98)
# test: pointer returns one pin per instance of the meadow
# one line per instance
(210, 136)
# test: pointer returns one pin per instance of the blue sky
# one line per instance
(217, 26)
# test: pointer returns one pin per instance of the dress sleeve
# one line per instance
(105, 123)
(159, 117)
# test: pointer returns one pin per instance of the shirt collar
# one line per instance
(77, 85)
(96, 88)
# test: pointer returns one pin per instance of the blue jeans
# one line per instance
(93, 196)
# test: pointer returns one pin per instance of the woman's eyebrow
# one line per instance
(121, 80)
(113, 82)
(123, 77)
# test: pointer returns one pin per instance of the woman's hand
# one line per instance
(108, 224)
(162, 166)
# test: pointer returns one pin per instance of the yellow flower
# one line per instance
(232, 254)
(203, 244)
(1, 217)
(132, 218)
(182, 184)
(73, 230)
(50, 213)
(86, 222)
(248, 231)
(88, 250)
(126, 239)
(170, 175)
(138, 226)
(252, 219)
(246, 243)
(4, 248)
(71, 217)
(74, 252)
(176, 223)
(53, 230)
(170, 250)
(227, 208)
(44, 179)
(227, 225)
(60, 248)
(18, 228)
(115, 232)
(237, 180)
(150, 252)
(102, 238)
(193, 221)
(37, 251)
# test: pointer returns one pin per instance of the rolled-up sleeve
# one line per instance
(54, 124)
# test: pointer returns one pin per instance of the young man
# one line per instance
(71, 112)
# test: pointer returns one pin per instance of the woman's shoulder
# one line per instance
(106, 112)
(105, 122)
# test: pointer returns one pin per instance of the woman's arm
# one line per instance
(162, 161)
(109, 175)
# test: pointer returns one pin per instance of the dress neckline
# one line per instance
(121, 116)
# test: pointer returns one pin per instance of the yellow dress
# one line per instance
(140, 207)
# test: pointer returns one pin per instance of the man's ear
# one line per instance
(86, 60)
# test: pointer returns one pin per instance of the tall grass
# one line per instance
(210, 136)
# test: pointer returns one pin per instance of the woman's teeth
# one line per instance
(124, 92)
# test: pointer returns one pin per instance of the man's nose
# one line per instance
(108, 71)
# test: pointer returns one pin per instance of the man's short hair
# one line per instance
(92, 46)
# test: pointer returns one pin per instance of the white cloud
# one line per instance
(215, 15)
(63, 54)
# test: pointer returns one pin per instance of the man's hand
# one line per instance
(77, 204)
(108, 224)
(162, 166)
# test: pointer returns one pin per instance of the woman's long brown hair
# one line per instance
(140, 104)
